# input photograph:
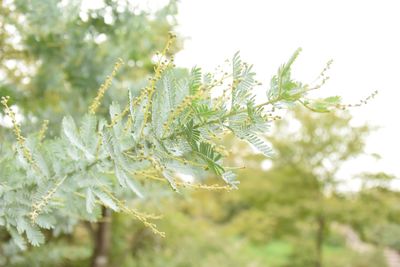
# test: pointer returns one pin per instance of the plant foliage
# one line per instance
(170, 127)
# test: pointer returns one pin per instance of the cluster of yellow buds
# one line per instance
(38, 206)
(162, 65)
(43, 130)
(186, 102)
(134, 104)
(11, 114)
(147, 92)
(144, 218)
(104, 87)
(18, 134)
(361, 102)
(213, 187)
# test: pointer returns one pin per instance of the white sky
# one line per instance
(362, 37)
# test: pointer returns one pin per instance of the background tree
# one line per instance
(310, 162)
(54, 55)
(296, 196)
(378, 196)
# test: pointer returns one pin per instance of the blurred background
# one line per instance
(329, 197)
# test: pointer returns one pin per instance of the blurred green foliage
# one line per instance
(54, 54)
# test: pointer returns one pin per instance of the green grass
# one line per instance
(277, 254)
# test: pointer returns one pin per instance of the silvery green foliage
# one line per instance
(94, 162)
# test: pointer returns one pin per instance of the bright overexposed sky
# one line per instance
(362, 37)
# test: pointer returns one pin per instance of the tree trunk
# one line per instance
(320, 241)
(102, 239)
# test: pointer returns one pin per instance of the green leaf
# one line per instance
(203, 111)
(194, 80)
(106, 200)
(243, 83)
(210, 156)
(192, 134)
(88, 131)
(71, 132)
(230, 178)
(322, 105)
(282, 86)
(236, 65)
(34, 235)
(121, 176)
(162, 104)
(333, 100)
(137, 116)
(38, 156)
(45, 221)
(135, 187)
(17, 239)
(90, 200)
(115, 111)
(259, 144)
(169, 176)
(22, 225)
